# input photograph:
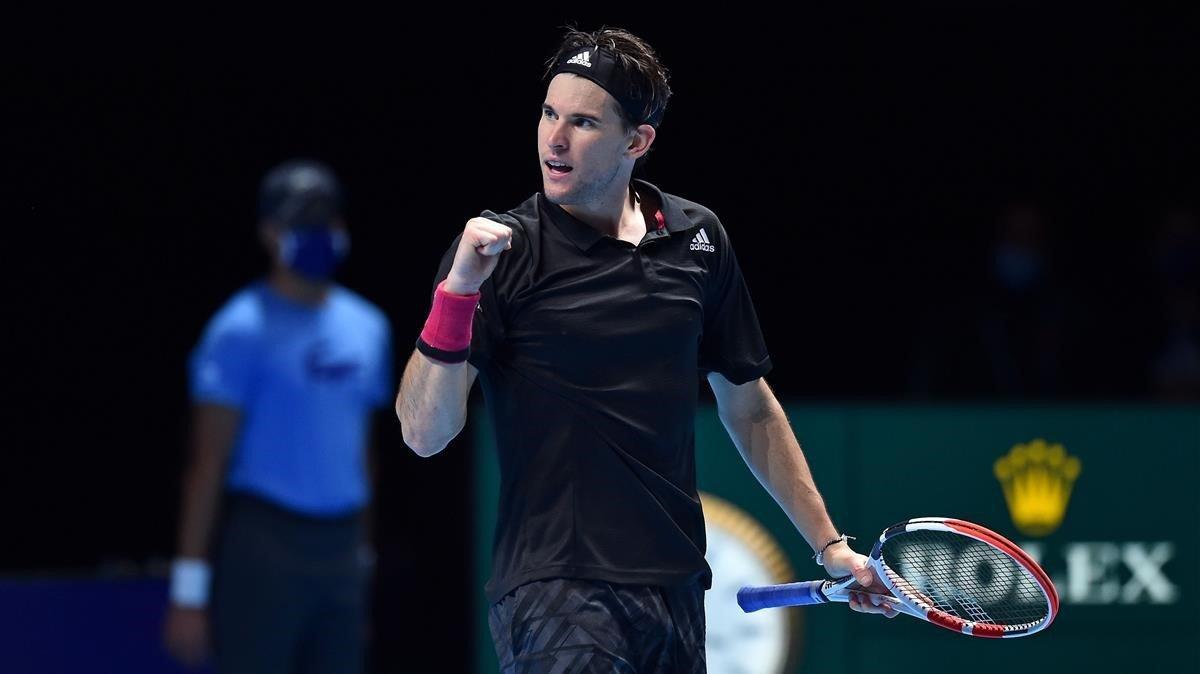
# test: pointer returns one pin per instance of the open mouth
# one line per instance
(558, 168)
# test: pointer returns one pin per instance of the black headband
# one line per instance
(601, 67)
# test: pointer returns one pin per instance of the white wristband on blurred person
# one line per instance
(190, 579)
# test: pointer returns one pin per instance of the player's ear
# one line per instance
(640, 140)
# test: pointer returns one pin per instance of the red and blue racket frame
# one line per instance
(907, 599)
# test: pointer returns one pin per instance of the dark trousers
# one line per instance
(288, 591)
(572, 626)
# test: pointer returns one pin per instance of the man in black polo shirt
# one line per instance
(588, 313)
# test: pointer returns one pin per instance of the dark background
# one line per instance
(861, 161)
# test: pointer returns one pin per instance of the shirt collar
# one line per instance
(676, 220)
(584, 236)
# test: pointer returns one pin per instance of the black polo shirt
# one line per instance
(590, 351)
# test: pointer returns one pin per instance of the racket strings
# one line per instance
(964, 578)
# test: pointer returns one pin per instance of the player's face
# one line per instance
(582, 142)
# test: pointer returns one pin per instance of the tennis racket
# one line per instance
(951, 573)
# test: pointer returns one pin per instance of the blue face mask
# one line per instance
(314, 253)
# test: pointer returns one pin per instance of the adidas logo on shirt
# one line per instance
(701, 242)
(583, 58)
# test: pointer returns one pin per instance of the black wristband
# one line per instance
(450, 357)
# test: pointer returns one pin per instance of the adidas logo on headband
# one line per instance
(583, 58)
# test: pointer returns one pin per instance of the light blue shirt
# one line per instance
(306, 379)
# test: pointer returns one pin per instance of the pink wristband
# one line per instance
(447, 333)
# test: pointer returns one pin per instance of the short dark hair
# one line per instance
(647, 76)
(300, 193)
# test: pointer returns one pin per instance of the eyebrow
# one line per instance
(578, 115)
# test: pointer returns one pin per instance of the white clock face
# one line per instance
(738, 642)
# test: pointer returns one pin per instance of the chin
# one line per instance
(556, 194)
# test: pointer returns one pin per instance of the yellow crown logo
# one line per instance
(1037, 478)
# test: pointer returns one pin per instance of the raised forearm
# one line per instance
(432, 403)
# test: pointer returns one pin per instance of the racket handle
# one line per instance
(752, 598)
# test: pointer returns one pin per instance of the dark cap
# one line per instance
(300, 194)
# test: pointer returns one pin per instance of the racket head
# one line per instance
(964, 577)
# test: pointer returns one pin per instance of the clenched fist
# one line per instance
(478, 253)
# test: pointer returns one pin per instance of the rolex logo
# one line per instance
(1037, 478)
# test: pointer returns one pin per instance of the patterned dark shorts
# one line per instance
(572, 626)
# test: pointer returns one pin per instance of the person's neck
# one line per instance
(297, 288)
(611, 214)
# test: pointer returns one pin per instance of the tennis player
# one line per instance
(588, 313)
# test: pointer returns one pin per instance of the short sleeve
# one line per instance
(222, 366)
(732, 343)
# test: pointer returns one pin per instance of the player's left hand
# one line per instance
(839, 560)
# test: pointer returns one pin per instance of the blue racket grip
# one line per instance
(752, 598)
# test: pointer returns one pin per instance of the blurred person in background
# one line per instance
(1175, 369)
(1000, 333)
(1022, 320)
(284, 382)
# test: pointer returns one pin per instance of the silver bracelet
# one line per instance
(820, 555)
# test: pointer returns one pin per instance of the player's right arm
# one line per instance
(432, 402)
